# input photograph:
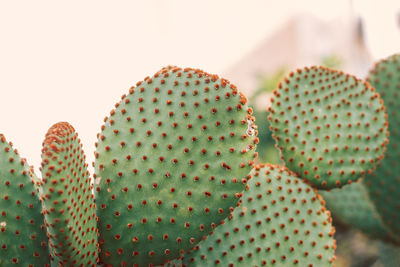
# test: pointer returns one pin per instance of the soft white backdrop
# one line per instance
(72, 60)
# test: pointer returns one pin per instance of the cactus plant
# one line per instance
(384, 184)
(281, 221)
(171, 162)
(330, 127)
(23, 240)
(175, 178)
(68, 201)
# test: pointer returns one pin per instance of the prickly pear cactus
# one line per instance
(352, 206)
(280, 222)
(330, 127)
(171, 161)
(384, 184)
(23, 240)
(67, 198)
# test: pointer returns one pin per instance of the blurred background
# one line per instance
(71, 61)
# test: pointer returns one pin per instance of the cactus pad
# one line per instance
(389, 254)
(352, 206)
(23, 240)
(331, 128)
(171, 161)
(384, 184)
(281, 222)
(67, 198)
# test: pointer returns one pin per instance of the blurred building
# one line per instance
(303, 41)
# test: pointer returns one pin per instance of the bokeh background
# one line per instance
(72, 60)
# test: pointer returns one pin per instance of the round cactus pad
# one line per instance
(281, 221)
(352, 206)
(331, 128)
(68, 201)
(384, 184)
(23, 240)
(171, 161)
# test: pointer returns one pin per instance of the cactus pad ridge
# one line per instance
(330, 127)
(281, 221)
(67, 199)
(171, 161)
(23, 240)
(384, 184)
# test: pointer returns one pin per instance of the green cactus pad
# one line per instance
(171, 161)
(389, 254)
(384, 184)
(331, 128)
(23, 240)
(67, 198)
(280, 222)
(352, 206)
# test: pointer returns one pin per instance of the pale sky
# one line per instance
(72, 60)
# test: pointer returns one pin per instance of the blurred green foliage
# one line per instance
(267, 152)
(269, 83)
(332, 61)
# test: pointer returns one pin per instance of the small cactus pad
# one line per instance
(67, 198)
(352, 206)
(23, 240)
(171, 160)
(330, 127)
(281, 222)
(384, 184)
